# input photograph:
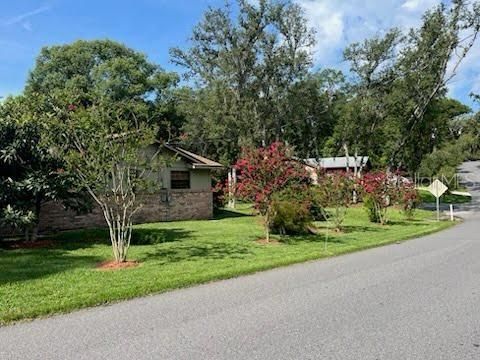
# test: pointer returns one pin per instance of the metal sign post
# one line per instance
(437, 189)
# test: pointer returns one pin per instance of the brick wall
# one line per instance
(181, 205)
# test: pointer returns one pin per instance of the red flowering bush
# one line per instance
(265, 172)
(409, 198)
(379, 192)
(220, 194)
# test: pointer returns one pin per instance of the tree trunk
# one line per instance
(120, 229)
(267, 227)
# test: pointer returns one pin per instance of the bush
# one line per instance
(17, 220)
(290, 217)
(380, 191)
(371, 209)
(219, 195)
(292, 211)
(442, 164)
(266, 173)
(410, 200)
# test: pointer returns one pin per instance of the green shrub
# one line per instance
(371, 208)
(290, 217)
(442, 163)
(292, 211)
(151, 236)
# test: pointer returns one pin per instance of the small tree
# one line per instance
(336, 191)
(265, 172)
(380, 191)
(109, 151)
(408, 198)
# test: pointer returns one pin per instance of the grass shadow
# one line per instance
(332, 237)
(73, 240)
(196, 252)
(152, 236)
(79, 239)
(24, 265)
(229, 214)
(348, 229)
(414, 222)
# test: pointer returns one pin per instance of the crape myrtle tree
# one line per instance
(380, 190)
(110, 154)
(336, 191)
(30, 173)
(266, 172)
(98, 100)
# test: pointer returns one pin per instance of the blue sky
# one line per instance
(153, 26)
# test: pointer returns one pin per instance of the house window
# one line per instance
(180, 179)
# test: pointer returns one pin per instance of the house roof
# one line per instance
(341, 162)
(197, 161)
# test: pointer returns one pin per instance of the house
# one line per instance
(341, 163)
(336, 164)
(184, 192)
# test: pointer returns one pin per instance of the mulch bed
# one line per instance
(113, 265)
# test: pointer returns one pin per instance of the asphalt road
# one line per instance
(416, 300)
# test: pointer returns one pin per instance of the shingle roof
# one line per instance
(341, 162)
(196, 160)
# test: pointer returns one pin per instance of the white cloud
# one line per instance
(20, 19)
(27, 25)
(342, 22)
(411, 5)
(418, 5)
(328, 24)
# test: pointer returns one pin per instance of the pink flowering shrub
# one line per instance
(409, 199)
(266, 172)
(379, 192)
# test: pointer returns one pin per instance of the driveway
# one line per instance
(416, 300)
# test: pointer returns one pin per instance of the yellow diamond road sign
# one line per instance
(437, 188)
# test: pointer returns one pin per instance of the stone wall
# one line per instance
(164, 206)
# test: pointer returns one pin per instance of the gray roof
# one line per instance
(197, 161)
(341, 162)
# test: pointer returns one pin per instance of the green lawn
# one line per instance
(173, 255)
(447, 198)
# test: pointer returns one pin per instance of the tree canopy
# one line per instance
(244, 66)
